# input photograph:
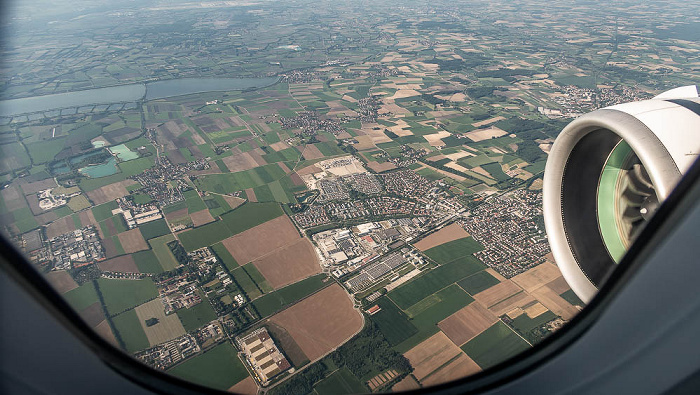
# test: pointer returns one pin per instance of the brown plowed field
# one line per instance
(201, 217)
(87, 218)
(132, 241)
(312, 152)
(110, 248)
(381, 167)
(283, 167)
(466, 323)
(559, 286)
(61, 281)
(554, 302)
(36, 186)
(233, 201)
(309, 170)
(497, 293)
(431, 354)
(60, 226)
(537, 276)
(124, 263)
(92, 315)
(408, 383)
(176, 215)
(261, 240)
(461, 367)
(518, 300)
(246, 386)
(105, 331)
(279, 146)
(444, 235)
(239, 161)
(296, 179)
(321, 322)
(289, 264)
(110, 192)
(250, 195)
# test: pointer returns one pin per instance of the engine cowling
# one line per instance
(606, 174)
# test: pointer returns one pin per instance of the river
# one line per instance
(129, 94)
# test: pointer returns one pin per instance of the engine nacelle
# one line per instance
(606, 174)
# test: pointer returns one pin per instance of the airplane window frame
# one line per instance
(23, 273)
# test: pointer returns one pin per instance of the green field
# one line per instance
(494, 345)
(393, 322)
(130, 331)
(154, 229)
(275, 301)
(193, 201)
(82, 297)
(225, 256)
(147, 262)
(524, 324)
(238, 181)
(571, 297)
(250, 215)
(452, 250)
(436, 279)
(442, 304)
(341, 382)
(218, 368)
(233, 222)
(120, 295)
(256, 276)
(197, 315)
(165, 256)
(478, 282)
(104, 211)
(495, 170)
(246, 283)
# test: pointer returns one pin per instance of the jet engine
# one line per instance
(607, 173)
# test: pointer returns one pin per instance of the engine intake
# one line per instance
(606, 174)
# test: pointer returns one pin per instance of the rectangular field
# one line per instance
(124, 264)
(445, 303)
(120, 295)
(242, 218)
(449, 233)
(132, 241)
(460, 367)
(275, 301)
(393, 322)
(341, 382)
(165, 256)
(218, 368)
(168, 326)
(497, 293)
(468, 322)
(321, 322)
(431, 354)
(289, 264)
(495, 345)
(197, 315)
(261, 240)
(130, 331)
(421, 287)
(453, 250)
(478, 282)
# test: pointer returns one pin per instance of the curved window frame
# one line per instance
(662, 224)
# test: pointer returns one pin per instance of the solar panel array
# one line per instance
(375, 270)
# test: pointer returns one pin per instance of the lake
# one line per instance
(129, 94)
(103, 170)
(123, 152)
